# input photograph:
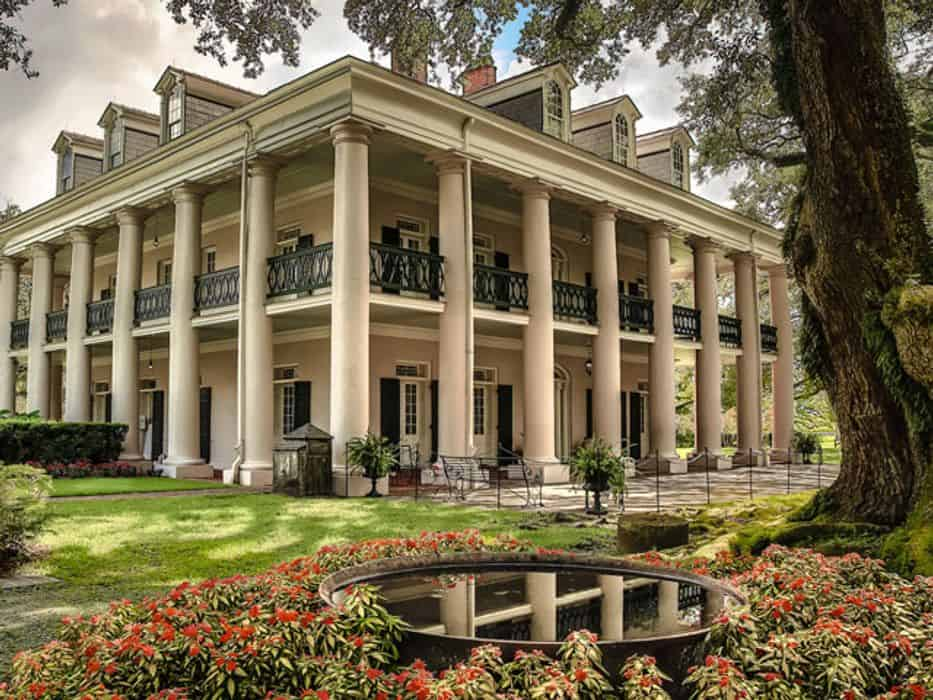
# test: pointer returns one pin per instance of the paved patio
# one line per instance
(649, 492)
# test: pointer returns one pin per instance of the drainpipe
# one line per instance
(468, 317)
(241, 331)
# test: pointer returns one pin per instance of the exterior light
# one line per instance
(588, 366)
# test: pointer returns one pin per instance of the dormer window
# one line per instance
(554, 109)
(175, 101)
(677, 165)
(68, 165)
(620, 140)
(115, 145)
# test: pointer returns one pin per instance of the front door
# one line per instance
(561, 437)
(158, 424)
(484, 443)
(411, 420)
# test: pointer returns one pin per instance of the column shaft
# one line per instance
(607, 360)
(9, 289)
(258, 404)
(78, 362)
(124, 388)
(748, 375)
(661, 410)
(538, 345)
(782, 370)
(541, 590)
(612, 609)
(708, 374)
(38, 376)
(452, 351)
(349, 343)
(184, 368)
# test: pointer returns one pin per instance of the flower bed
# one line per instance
(816, 627)
(83, 469)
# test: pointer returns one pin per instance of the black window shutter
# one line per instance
(634, 434)
(504, 409)
(633, 289)
(502, 286)
(624, 422)
(108, 409)
(302, 403)
(158, 423)
(588, 279)
(391, 272)
(501, 259)
(589, 413)
(435, 413)
(389, 390)
(621, 286)
(391, 236)
(434, 245)
(205, 423)
(305, 240)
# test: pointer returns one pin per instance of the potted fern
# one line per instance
(599, 467)
(372, 454)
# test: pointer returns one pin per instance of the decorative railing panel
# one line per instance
(686, 322)
(496, 285)
(580, 616)
(302, 271)
(769, 341)
(153, 303)
(19, 333)
(513, 630)
(56, 325)
(100, 316)
(215, 289)
(401, 270)
(730, 331)
(689, 595)
(574, 301)
(636, 313)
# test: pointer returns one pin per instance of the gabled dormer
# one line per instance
(608, 130)
(128, 134)
(80, 159)
(665, 155)
(539, 99)
(190, 100)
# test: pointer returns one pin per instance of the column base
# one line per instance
(717, 462)
(664, 464)
(256, 476)
(131, 457)
(186, 469)
(758, 458)
(352, 485)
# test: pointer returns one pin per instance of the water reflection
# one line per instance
(537, 606)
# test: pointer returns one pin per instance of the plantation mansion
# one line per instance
(364, 251)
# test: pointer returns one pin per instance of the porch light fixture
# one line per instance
(588, 366)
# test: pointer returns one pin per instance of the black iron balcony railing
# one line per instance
(730, 331)
(302, 271)
(686, 322)
(213, 290)
(507, 289)
(769, 341)
(636, 313)
(56, 325)
(574, 301)
(100, 316)
(398, 269)
(153, 303)
(19, 333)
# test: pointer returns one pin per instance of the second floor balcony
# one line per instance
(100, 316)
(153, 303)
(769, 339)
(503, 288)
(19, 333)
(686, 323)
(730, 331)
(636, 313)
(574, 301)
(214, 290)
(56, 325)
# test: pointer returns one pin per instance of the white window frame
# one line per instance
(678, 169)
(163, 266)
(621, 139)
(68, 169)
(175, 108)
(422, 234)
(410, 417)
(115, 155)
(554, 123)
(284, 242)
(484, 247)
(207, 262)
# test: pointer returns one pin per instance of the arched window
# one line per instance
(559, 264)
(554, 109)
(620, 141)
(677, 165)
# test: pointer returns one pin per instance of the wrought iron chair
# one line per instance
(519, 471)
(459, 472)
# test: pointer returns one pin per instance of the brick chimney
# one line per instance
(417, 70)
(479, 77)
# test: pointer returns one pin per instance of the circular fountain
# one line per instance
(526, 601)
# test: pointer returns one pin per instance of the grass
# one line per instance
(129, 548)
(98, 486)
(831, 453)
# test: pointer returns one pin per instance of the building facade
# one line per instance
(465, 274)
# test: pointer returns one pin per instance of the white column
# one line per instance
(349, 341)
(542, 596)
(538, 340)
(258, 404)
(612, 608)
(607, 360)
(458, 608)
(453, 372)
(661, 409)
(183, 458)
(124, 382)
(782, 371)
(78, 360)
(38, 376)
(748, 364)
(9, 290)
(668, 607)
(708, 375)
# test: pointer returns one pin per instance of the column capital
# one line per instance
(533, 189)
(81, 234)
(260, 165)
(131, 215)
(189, 192)
(660, 229)
(41, 250)
(742, 256)
(703, 245)
(11, 261)
(351, 132)
(603, 211)
(777, 270)
(447, 162)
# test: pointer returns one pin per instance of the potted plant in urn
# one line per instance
(598, 466)
(372, 454)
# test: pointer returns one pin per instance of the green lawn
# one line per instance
(103, 550)
(93, 486)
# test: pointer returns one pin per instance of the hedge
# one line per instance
(23, 492)
(48, 442)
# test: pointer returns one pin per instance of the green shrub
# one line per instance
(47, 442)
(23, 492)
(806, 444)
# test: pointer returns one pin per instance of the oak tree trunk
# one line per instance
(860, 235)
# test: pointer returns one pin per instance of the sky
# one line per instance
(91, 52)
